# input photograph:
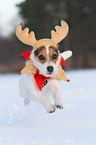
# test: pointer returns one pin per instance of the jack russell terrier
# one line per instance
(42, 73)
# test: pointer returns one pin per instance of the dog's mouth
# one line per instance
(49, 73)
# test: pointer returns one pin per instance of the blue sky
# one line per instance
(8, 16)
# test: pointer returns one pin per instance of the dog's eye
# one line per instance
(54, 56)
(41, 57)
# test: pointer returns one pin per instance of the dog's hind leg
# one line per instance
(27, 100)
(23, 90)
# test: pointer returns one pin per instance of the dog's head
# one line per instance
(46, 59)
(45, 55)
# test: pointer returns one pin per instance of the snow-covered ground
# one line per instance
(31, 125)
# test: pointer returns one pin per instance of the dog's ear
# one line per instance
(66, 54)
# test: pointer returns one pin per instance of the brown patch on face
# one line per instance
(53, 54)
(41, 54)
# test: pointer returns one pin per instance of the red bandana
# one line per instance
(39, 78)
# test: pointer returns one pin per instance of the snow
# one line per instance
(32, 125)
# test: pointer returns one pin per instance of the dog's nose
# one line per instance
(50, 68)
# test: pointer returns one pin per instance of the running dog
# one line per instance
(46, 60)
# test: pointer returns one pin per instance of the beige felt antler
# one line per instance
(29, 68)
(61, 32)
(61, 75)
(24, 36)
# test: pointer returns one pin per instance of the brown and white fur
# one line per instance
(46, 59)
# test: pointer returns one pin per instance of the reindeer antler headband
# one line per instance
(29, 38)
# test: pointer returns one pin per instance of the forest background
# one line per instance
(41, 17)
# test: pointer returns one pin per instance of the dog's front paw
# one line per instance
(59, 106)
(52, 109)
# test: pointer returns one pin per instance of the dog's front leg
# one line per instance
(34, 91)
(56, 92)
(44, 101)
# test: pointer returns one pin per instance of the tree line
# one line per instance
(41, 17)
